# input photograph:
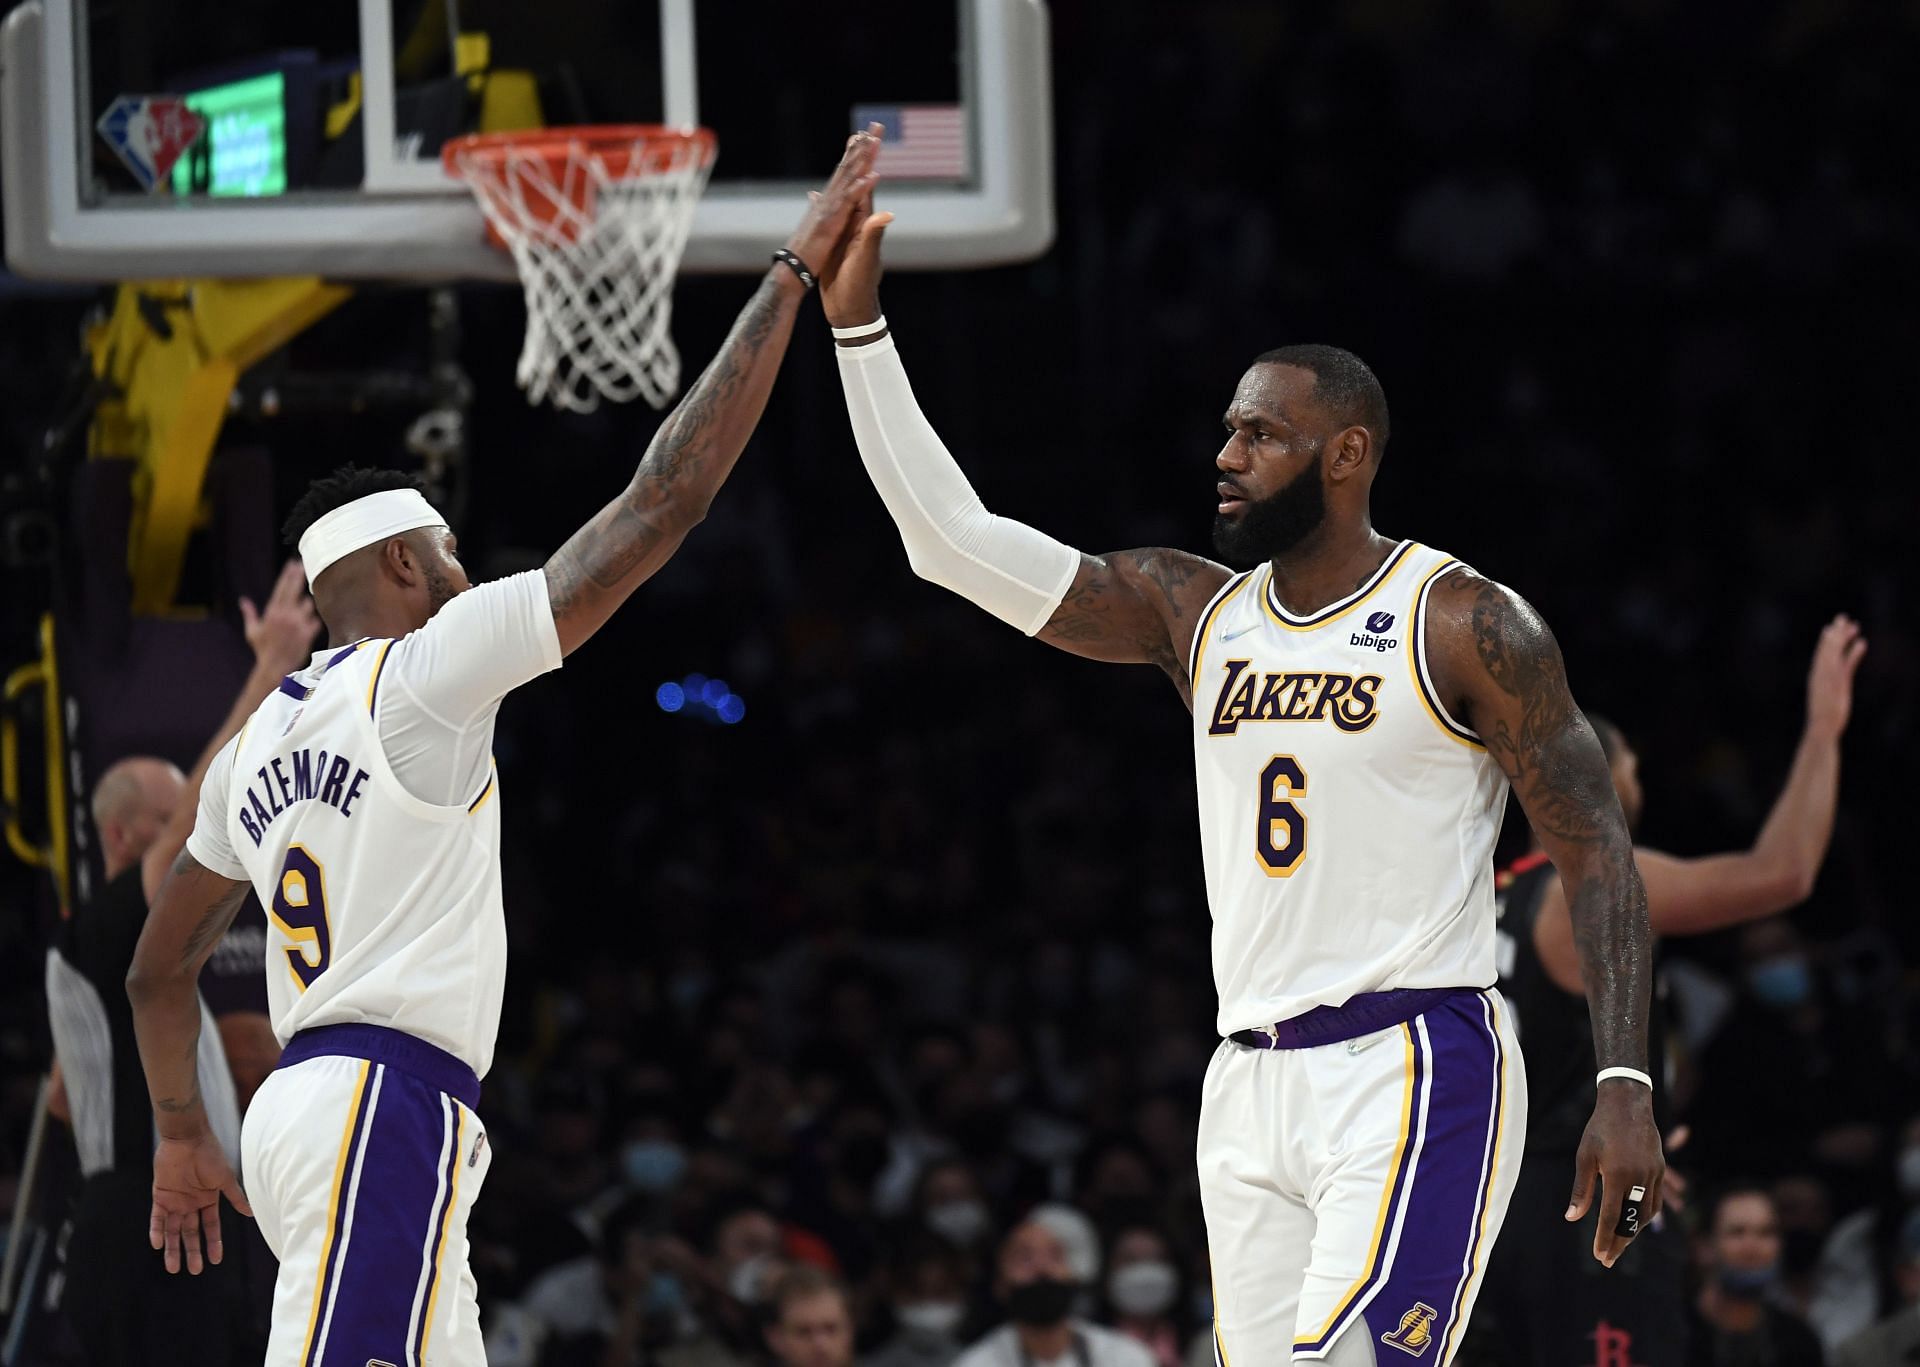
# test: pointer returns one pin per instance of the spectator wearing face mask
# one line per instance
(1143, 1293)
(1735, 1319)
(812, 1320)
(652, 1162)
(929, 1303)
(1897, 1338)
(745, 1257)
(952, 1205)
(1036, 1286)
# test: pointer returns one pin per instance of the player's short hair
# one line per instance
(1341, 381)
(803, 1283)
(337, 490)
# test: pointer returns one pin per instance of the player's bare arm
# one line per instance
(695, 449)
(1137, 607)
(1497, 661)
(1712, 892)
(190, 1173)
(1126, 607)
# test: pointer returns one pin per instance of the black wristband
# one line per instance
(797, 266)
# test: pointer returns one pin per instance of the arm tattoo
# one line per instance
(213, 924)
(1546, 752)
(687, 461)
(1085, 616)
(173, 1105)
(1168, 572)
(1551, 756)
(1129, 606)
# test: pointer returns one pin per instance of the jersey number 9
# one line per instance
(1280, 832)
(300, 911)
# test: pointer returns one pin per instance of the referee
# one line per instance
(122, 1306)
(1546, 1300)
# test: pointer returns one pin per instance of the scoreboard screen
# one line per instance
(244, 150)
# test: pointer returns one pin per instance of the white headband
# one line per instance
(361, 523)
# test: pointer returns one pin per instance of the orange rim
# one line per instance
(655, 146)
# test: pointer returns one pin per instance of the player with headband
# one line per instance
(361, 803)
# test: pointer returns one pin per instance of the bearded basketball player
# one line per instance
(1360, 706)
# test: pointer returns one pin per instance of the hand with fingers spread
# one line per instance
(282, 633)
(1621, 1148)
(823, 230)
(190, 1176)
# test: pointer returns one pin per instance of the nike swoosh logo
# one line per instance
(1231, 635)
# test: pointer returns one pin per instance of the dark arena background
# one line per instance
(910, 938)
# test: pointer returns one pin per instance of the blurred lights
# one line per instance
(697, 695)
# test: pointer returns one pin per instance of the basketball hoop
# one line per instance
(596, 219)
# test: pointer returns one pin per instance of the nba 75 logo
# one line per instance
(1375, 636)
(1415, 1334)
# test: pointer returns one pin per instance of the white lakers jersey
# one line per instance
(1346, 820)
(383, 907)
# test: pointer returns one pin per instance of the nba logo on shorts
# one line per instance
(1415, 1333)
(1379, 622)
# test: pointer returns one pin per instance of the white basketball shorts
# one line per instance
(1356, 1187)
(361, 1169)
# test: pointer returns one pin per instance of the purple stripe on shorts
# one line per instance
(401, 1188)
(1421, 1297)
(439, 1235)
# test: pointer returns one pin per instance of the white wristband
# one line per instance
(873, 329)
(1633, 1073)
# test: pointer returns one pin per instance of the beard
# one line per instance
(440, 589)
(1274, 525)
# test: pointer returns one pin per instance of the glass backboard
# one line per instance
(323, 125)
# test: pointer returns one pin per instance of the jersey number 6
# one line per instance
(300, 910)
(1280, 833)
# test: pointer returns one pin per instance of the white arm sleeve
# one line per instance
(1016, 573)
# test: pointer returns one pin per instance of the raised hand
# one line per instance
(1830, 679)
(850, 278)
(189, 1178)
(823, 230)
(282, 635)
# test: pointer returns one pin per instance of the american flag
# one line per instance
(921, 142)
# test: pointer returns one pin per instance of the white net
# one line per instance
(596, 225)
